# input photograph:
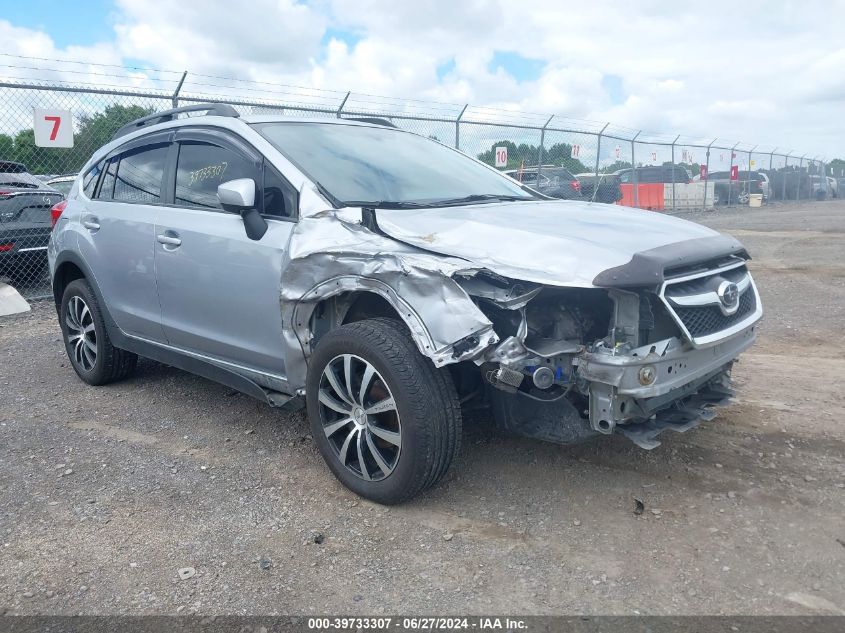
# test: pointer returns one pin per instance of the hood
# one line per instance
(563, 243)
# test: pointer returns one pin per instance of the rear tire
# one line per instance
(405, 448)
(86, 339)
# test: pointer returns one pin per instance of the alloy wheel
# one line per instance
(81, 334)
(359, 417)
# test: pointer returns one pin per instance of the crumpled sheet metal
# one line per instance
(561, 243)
(332, 253)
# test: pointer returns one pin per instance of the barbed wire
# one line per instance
(292, 96)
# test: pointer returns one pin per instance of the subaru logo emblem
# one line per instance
(729, 297)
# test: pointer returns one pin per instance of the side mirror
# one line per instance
(238, 196)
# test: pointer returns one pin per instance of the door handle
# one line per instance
(169, 239)
(92, 224)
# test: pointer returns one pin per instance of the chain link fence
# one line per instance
(563, 157)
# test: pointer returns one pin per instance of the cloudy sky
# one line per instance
(771, 72)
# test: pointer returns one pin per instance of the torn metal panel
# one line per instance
(332, 253)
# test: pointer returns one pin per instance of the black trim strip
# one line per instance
(647, 268)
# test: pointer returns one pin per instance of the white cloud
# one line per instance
(761, 72)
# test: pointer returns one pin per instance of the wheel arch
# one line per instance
(354, 299)
(69, 266)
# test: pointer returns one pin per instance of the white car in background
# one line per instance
(764, 184)
(833, 186)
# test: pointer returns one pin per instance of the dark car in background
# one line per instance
(727, 191)
(555, 182)
(600, 188)
(654, 174)
(25, 223)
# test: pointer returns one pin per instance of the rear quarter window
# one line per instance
(89, 181)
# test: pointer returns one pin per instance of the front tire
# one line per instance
(386, 421)
(86, 340)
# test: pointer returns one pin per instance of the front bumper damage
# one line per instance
(462, 312)
(687, 383)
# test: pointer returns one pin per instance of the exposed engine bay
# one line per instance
(572, 363)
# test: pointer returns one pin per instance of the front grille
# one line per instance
(695, 302)
(706, 320)
(701, 284)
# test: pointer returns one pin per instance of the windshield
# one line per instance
(361, 165)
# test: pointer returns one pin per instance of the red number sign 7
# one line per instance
(57, 121)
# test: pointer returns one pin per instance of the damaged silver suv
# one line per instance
(384, 280)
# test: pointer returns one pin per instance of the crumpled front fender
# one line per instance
(333, 253)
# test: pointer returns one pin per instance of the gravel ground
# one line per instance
(106, 493)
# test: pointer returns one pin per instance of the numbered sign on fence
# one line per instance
(576, 151)
(501, 157)
(617, 151)
(53, 128)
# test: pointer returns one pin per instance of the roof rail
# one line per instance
(214, 109)
(372, 120)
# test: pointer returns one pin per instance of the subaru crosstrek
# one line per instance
(383, 281)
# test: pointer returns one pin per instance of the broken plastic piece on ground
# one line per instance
(695, 410)
(11, 302)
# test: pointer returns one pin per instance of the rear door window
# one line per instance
(139, 174)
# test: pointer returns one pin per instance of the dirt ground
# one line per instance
(106, 492)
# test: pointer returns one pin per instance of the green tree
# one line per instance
(559, 154)
(838, 166)
(41, 160)
(96, 130)
(7, 147)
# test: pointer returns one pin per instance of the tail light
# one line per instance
(576, 185)
(6, 247)
(56, 213)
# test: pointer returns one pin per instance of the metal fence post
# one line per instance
(749, 170)
(772, 158)
(458, 127)
(598, 150)
(175, 98)
(785, 172)
(730, 174)
(342, 103)
(634, 172)
(673, 170)
(707, 175)
(798, 188)
(541, 149)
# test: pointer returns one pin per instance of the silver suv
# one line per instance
(386, 281)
